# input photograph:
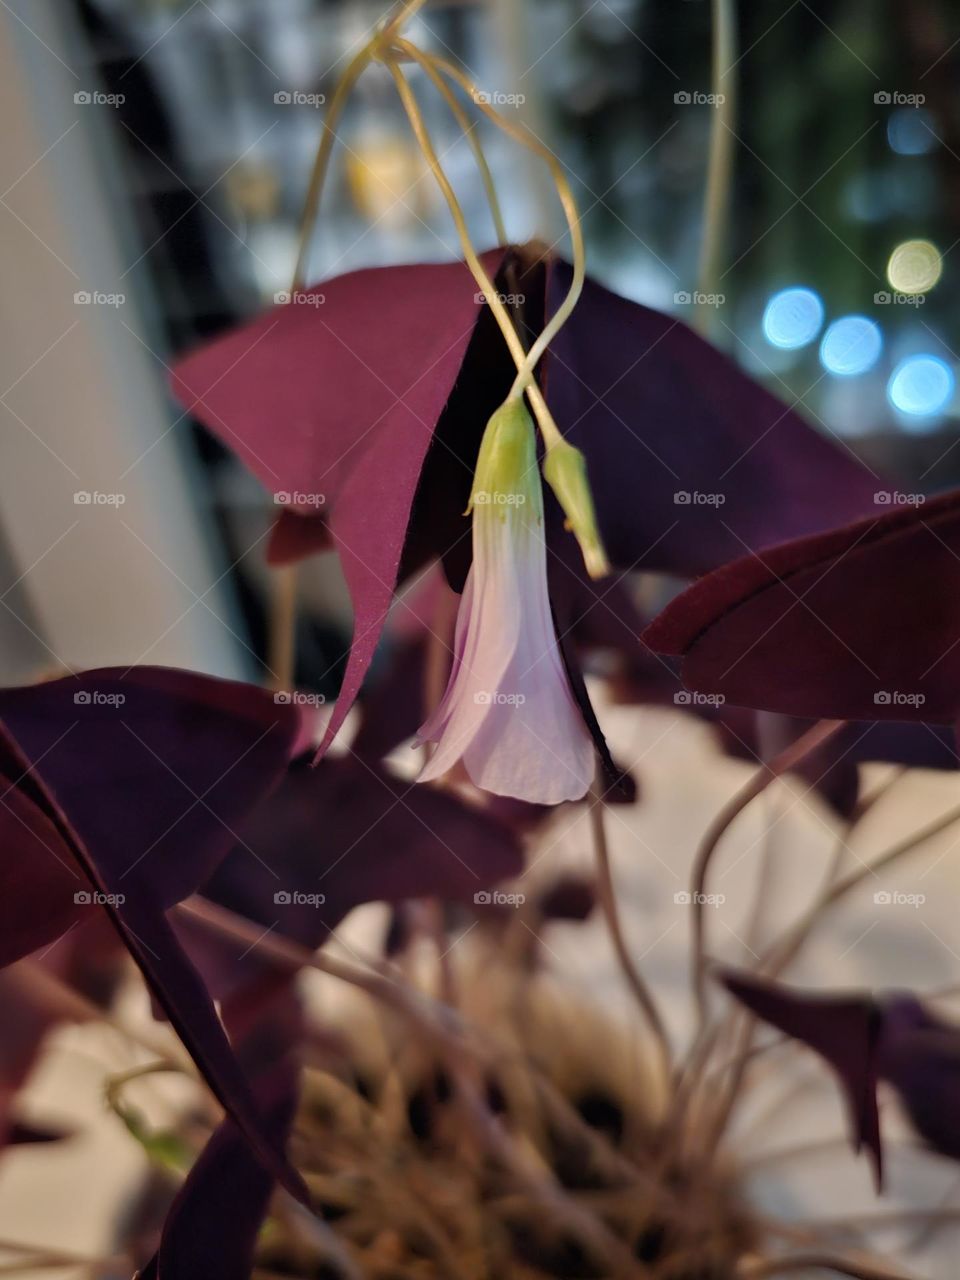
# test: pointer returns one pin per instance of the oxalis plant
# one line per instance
(466, 1116)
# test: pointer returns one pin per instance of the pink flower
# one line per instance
(508, 713)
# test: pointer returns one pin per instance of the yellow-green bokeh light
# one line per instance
(914, 266)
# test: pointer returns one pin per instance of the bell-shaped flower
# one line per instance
(360, 405)
(508, 713)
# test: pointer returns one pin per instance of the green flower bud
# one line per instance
(506, 477)
(565, 470)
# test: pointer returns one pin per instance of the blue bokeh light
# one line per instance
(911, 131)
(921, 386)
(850, 346)
(792, 318)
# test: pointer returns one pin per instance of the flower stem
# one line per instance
(716, 202)
(469, 132)
(526, 139)
(486, 285)
(608, 902)
(321, 164)
(788, 759)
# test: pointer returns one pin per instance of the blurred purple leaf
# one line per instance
(842, 1029)
(858, 624)
(136, 780)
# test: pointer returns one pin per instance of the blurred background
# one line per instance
(154, 166)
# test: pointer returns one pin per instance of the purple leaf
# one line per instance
(142, 797)
(843, 1029)
(339, 401)
(343, 834)
(662, 416)
(919, 1054)
(213, 1224)
(859, 624)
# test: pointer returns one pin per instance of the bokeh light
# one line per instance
(792, 318)
(911, 131)
(851, 345)
(914, 266)
(921, 386)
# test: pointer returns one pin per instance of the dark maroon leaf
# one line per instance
(338, 401)
(142, 796)
(843, 1029)
(213, 1224)
(691, 462)
(919, 1054)
(340, 835)
(860, 623)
